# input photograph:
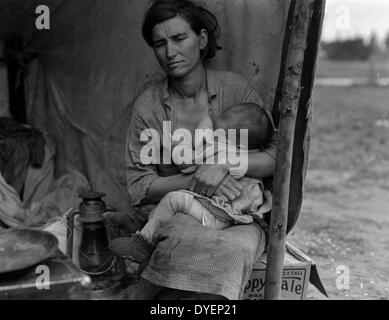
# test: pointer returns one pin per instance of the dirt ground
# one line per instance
(344, 221)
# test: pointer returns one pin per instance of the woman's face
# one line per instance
(177, 46)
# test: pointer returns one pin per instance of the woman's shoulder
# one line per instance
(149, 99)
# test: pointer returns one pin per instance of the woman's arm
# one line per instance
(212, 177)
(260, 165)
(163, 185)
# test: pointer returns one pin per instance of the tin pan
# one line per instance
(21, 249)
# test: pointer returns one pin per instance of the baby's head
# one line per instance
(248, 116)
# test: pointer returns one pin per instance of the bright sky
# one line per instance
(348, 18)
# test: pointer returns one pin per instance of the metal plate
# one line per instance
(22, 248)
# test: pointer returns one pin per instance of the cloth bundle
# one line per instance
(20, 147)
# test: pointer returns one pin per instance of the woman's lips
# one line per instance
(173, 64)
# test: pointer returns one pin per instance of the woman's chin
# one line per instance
(177, 73)
(180, 71)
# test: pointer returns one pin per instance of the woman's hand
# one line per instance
(229, 188)
(207, 179)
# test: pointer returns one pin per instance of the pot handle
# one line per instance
(69, 233)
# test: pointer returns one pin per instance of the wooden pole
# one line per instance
(288, 111)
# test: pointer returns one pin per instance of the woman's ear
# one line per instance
(203, 39)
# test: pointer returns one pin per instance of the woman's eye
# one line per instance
(158, 44)
(180, 38)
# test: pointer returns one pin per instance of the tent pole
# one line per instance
(288, 112)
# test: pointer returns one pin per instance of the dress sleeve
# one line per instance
(252, 96)
(139, 176)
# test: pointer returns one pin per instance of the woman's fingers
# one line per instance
(189, 170)
(208, 181)
(233, 188)
(235, 183)
(229, 188)
(223, 191)
(192, 185)
(199, 189)
(207, 178)
(228, 193)
(211, 191)
(207, 190)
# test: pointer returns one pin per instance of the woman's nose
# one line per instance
(170, 50)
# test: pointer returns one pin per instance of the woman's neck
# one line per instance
(191, 85)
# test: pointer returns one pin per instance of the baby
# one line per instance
(215, 212)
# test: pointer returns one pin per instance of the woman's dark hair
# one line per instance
(197, 16)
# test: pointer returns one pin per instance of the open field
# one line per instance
(345, 214)
(352, 69)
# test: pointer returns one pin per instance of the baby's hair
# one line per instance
(248, 116)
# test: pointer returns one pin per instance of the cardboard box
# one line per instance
(295, 276)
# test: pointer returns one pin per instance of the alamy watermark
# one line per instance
(206, 146)
(42, 22)
(343, 18)
(343, 278)
(43, 280)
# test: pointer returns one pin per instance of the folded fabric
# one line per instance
(21, 146)
(62, 198)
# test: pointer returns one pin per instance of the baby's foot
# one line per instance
(135, 248)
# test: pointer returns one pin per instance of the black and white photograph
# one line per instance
(226, 151)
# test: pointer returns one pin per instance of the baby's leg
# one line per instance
(174, 202)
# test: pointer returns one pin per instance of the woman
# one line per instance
(190, 257)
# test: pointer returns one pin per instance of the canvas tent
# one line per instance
(82, 75)
(93, 63)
